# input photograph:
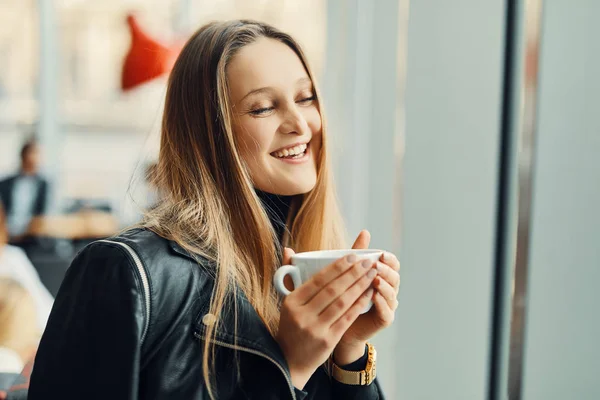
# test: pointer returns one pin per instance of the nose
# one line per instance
(294, 123)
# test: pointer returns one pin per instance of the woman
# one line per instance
(184, 307)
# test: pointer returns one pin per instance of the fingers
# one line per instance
(341, 325)
(385, 314)
(287, 255)
(344, 290)
(387, 291)
(318, 281)
(389, 275)
(363, 240)
(340, 306)
(390, 260)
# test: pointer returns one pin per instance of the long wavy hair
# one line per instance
(3, 228)
(209, 205)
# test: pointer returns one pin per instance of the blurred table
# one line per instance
(80, 225)
(52, 241)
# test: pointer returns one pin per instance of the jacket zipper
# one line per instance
(257, 353)
(145, 284)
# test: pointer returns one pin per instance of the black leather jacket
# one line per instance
(129, 321)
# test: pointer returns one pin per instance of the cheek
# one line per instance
(313, 120)
(254, 138)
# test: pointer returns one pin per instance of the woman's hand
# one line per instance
(316, 315)
(387, 283)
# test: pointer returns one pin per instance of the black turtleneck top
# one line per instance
(277, 208)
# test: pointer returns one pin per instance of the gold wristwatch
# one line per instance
(362, 378)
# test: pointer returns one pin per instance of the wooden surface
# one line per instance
(85, 224)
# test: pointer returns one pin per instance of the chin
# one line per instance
(298, 189)
(293, 189)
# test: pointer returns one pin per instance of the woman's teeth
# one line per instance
(293, 152)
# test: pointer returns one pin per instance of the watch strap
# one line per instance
(359, 378)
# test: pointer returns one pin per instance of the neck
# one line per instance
(27, 171)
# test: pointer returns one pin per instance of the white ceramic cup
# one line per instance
(309, 263)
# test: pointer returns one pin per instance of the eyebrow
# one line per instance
(269, 89)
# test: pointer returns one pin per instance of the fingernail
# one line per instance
(380, 267)
(372, 273)
(351, 258)
(366, 263)
(387, 256)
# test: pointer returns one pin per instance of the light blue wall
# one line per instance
(453, 106)
(562, 350)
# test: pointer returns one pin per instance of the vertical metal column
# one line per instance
(526, 169)
(48, 131)
(507, 200)
(514, 201)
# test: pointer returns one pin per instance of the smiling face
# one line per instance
(277, 123)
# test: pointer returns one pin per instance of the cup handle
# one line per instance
(280, 275)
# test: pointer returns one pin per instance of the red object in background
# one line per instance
(146, 59)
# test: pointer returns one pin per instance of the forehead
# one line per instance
(264, 63)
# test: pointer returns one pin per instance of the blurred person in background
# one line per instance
(24, 195)
(19, 332)
(184, 306)
(15, 264)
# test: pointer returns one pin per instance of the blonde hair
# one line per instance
(209, 205)
(18, 326)
(3, 228)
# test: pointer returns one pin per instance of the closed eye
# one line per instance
(308, 99)
(261, 111)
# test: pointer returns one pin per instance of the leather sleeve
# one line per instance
(91, 347)
(322, 386)
(352, 392)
